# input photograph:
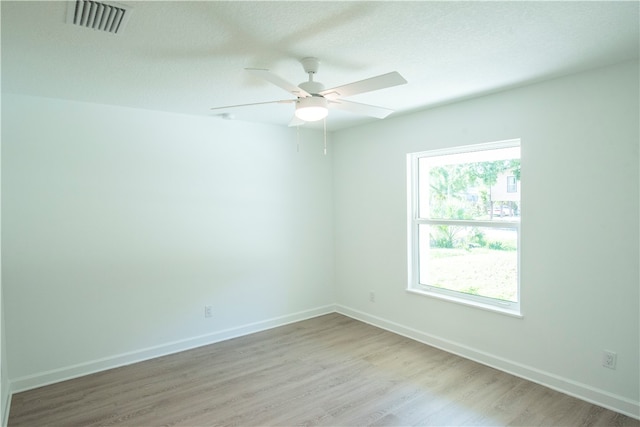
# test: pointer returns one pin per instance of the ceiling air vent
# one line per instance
(98, 15)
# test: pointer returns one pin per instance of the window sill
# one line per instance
(489, 307)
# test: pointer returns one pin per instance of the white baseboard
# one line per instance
(581, 391)
(62, 374)
(7, 407)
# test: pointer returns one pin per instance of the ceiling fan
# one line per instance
(313, 101)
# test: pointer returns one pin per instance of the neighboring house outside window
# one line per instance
(464, 225)
(512, 184)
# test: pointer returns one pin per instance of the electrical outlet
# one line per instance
(208, 311)
(372, 296)
(609, 359)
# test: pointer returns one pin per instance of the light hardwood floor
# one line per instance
(330, 370)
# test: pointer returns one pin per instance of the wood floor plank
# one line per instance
(328, 371)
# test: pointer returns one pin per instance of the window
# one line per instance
(464, 228)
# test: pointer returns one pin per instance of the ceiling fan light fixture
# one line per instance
(312, 109)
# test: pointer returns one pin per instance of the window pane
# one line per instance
(473, 260)
(450, 188)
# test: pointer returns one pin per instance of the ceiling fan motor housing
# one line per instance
(312, 87)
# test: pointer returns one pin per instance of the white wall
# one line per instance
(5, 392)
(120, 225)
(579, 273)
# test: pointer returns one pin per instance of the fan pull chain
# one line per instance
(324, 123)
(297, 139)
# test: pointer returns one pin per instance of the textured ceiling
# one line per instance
(186, 57)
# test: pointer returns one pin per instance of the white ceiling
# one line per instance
(186, 57)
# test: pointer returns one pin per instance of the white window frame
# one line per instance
(414, 221)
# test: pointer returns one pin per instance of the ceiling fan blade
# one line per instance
(357, 108)
(278, 81)
(284, 101)
(367, 85)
